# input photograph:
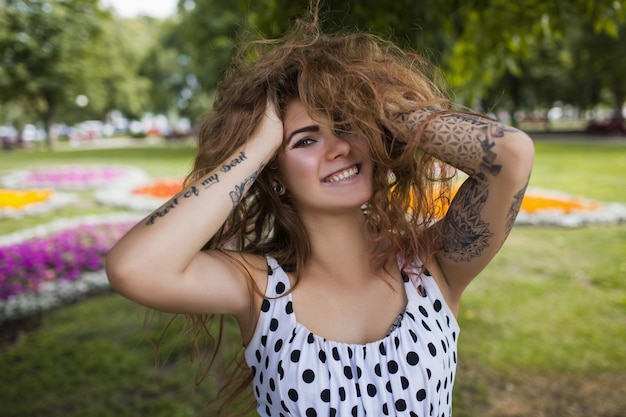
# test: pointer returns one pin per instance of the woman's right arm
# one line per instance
(159, 262)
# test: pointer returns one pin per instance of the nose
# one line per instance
(337, 146)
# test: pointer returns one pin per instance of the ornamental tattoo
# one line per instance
(466, 142)
(477, 156)
(466, 235)
(514, 209)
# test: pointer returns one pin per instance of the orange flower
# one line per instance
(160, 189)
(533, 203)
(536, 201)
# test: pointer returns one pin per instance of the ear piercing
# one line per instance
(278, 188)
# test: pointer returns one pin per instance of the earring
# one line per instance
(278, 188)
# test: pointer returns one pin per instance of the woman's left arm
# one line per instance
(498, 160)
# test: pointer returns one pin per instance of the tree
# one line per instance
(117, 61)
(44, 46)
(173, 83)
(498, 40)
(599, 66)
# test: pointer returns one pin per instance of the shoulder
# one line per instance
(434, 271)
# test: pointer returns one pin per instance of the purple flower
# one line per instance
(63, 255)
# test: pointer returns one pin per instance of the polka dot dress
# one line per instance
(410, 372)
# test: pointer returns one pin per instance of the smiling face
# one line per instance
(320, 168)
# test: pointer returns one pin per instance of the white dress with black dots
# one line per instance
(410, 372)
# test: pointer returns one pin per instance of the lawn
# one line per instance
(543, 327)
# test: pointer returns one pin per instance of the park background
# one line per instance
(85, 91)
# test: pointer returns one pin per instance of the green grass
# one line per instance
(549, 298)
(95, 359)
(166, 161)
(594, 169)
(543, 327)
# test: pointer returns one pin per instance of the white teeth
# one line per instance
(343, 175)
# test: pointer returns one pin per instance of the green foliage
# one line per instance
(43, 61)
(494, 53)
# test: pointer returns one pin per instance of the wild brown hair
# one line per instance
(358, 82)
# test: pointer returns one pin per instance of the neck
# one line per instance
(340, 246)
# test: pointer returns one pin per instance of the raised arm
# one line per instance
(498, 161)
(159, 262)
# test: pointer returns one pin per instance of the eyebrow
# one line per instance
(312, 128)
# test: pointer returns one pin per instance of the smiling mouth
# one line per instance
(344, 175)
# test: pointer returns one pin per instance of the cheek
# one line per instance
(297, 179)
(298, 169)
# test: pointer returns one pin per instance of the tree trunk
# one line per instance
(48, 121)
(516, 97)
(620, 98)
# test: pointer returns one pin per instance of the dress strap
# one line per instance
(277, 280)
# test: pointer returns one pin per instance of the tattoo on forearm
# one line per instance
(514, 209)
(237, 194)
(192, 191)
(210, 180)
(465, 234)
(234, 162)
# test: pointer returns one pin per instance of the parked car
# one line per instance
(32, 133)
(8, 137)
(610, 126)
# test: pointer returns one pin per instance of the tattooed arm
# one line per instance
(498, 161)
(159, 264)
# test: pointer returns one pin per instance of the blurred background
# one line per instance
(79, 70)
(99, 102)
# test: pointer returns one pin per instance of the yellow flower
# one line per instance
(17, 199)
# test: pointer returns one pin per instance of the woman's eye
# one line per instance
(303, 142)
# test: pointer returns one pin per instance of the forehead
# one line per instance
(297, 117)
(296, 113)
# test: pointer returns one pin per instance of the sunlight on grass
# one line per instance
(591, 170)
(100, 365)
(563, 307)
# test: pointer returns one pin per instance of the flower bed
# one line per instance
(16, 204)
(74, 177)
(539, 207)
(57, 263)
(551, 208)
(144, 198)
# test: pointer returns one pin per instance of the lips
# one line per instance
(343, 175)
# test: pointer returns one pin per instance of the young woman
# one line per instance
(315, 216)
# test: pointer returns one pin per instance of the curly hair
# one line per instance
(359, 83)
